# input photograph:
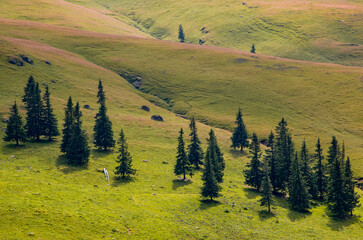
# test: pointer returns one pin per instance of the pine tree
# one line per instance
(266, 187)
(351, 197)
(270, 158)
(319, 168)
(254, 175)
(103, 134)
(181, 34)
(333, 152)
(210, 187)
(216, 157)
(333, 157)
(195, 152)
(253, 49)
(124, 158)
(239, 137)
(29, 90)
(15, 129)
(50, 121)
(298, 195)
(306, 171)
(78, 150)
(182, 165)
(67, 126)
(35, 113)
(284, 150)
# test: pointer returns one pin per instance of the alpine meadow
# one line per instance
(160, 119)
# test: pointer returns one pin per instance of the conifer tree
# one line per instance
(270, 158)
(195, 152)
(50, 121)
(333, 157)
(239, 137)
(182, 165)
(181, 34)
(78, 150)
(333, 152)
(67, 126)
(210, 187)
(306, 171)
(216, 157)
(266, 187)
(320, 173)
(298, 195)
(124, 158)
(351, 197)
(29, 90)
(253, 49)
(15, 130)
(103, 134)
(254, 175)
(35, 113)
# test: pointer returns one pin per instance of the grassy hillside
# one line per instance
(322, 31)
(42, 198)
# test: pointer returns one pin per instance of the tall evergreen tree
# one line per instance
(333, 151)
(351, 197)
(78, 150)
(254, 175)
(210, 187)
(103, 134)
(195, 152)
(29, 90)
(216, 157)
(266, 186)
(239, 137)
(67, 126)
(181, 34)
(298, 195)
(253, 49)
(50, 121)
(284, 150)
(124, 158)
(333, 157)
(35, 113)
(306, 171)
(270, 158)
(182, 165)
(15, 130)
(320, 174)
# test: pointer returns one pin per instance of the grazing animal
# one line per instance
(106, 174)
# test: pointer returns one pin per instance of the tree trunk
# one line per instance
(184, 175)
(50, 138)
(17, 142)
(38, 138)
(269, 209)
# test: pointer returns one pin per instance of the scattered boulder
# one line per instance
(95, 185)
(163, 162)
(87, 106)
(144, 160)
(137, 83)
(154, 194)
(27, 59)
(201, 42)
(157, 118)
(47, 62)
(145, 108)
(202, 29)
(16, 61)
(134, 80)
(12, 156)
(244, 3)
(53, 81)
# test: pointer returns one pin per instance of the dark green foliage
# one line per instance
(216, 157)
(77, 151)
(29, 90)
(182, 165)
(306, 172)
(50, 121)
(67, 126)
(351, 197)
(298, 195)
(15, 130)
(253, 49)
(266, 188)
(103, 134)
(254, 175)
(320, 174)
(239, 137)
(333, 152)
(195, 152)
(35, 113)
(284, 150)
(181, 36)
(210, 187)
(124, 158)
(270, 158)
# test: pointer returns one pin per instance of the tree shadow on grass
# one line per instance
(264, 215)
(296, 216)
(63, 165)
(117, 181)
(207, 203)
(251, 193)
(339, 224)
(177, 183)
(98, 153)
(237, 153)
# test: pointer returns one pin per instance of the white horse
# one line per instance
(106, 174)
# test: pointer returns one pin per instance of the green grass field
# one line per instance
(41, 197)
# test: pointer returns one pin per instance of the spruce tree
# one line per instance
(333, 152)
(266, 187)
(15, 130)
(216, 157)
(351, 197)
(103, 134)
(239, 137)
(253, 49)
(320, 174)
(182, 165)
(181, 34)
(67, 126)
(29, 90)
(195, 152)
(254, 175)
(298, 195)
(78, 150)
(124, 158)
(306, 171)
(35, 113)
(50, 121)
(270, 158)
(333, 157)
